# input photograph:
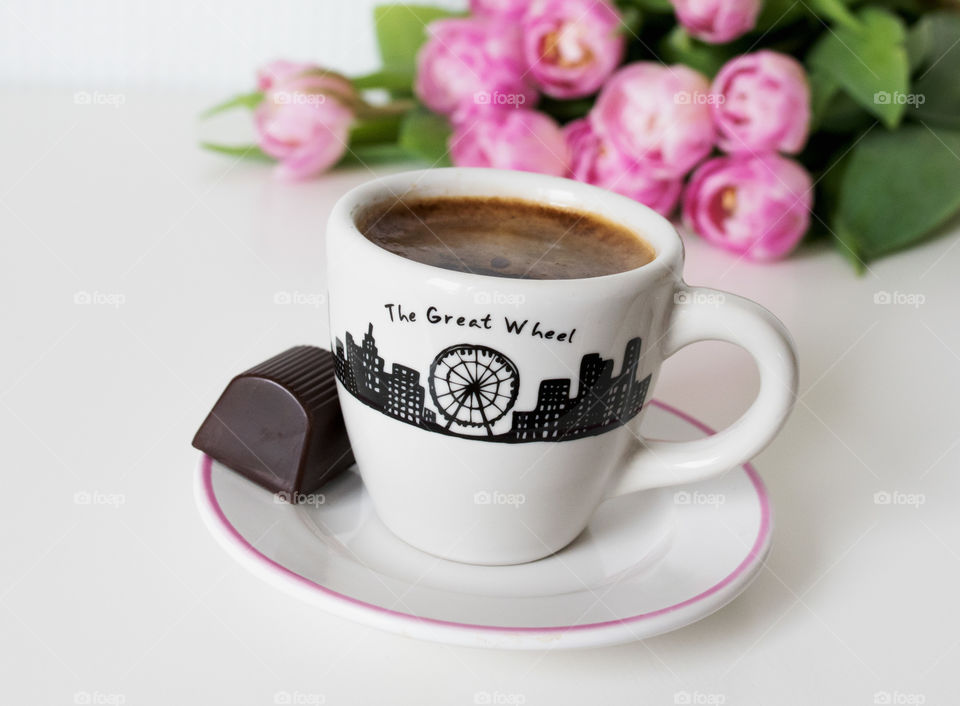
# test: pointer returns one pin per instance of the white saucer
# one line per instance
(648, 563)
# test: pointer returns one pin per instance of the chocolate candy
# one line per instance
(279, 424)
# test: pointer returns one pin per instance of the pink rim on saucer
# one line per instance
(704, 603)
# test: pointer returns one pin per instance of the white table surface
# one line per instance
(128, 598)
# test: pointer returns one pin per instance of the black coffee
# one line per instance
(504, 237)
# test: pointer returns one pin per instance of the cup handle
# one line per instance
(702, 314)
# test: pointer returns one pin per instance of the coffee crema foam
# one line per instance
(504, 237)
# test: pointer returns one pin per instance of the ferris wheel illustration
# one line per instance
(473, 386)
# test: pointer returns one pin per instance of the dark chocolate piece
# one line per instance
(279, 424)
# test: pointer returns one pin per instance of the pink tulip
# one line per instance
(763, 104)
(758, 206)
(502, 9)
(525, 140)
(304, 122)
(594, 162)
(717, 21)
(470, 62)
(571, 46)
(280, 70)
(657, 116)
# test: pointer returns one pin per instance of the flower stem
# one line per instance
(377, 129)
(396, 83)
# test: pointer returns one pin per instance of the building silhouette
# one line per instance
(404, 395)
(603, 401)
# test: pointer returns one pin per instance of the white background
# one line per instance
(139, 603)
(99, 44)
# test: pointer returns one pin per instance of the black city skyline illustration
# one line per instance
(473, 387)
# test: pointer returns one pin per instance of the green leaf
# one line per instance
(942, 29)
(919, 43)
(426, 135)
(828, 179)
(371, 155)
(252, 152)
(836, 11)
(935, 97)
(844, 115)
(848, 247)
(870, 63)
(400, 32)
(896, 188)
(823, 88)
(244, 100)
(679, 47)
(905, 8)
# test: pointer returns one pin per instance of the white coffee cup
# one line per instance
(514, 476)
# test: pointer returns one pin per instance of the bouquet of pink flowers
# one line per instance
(760, 121)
